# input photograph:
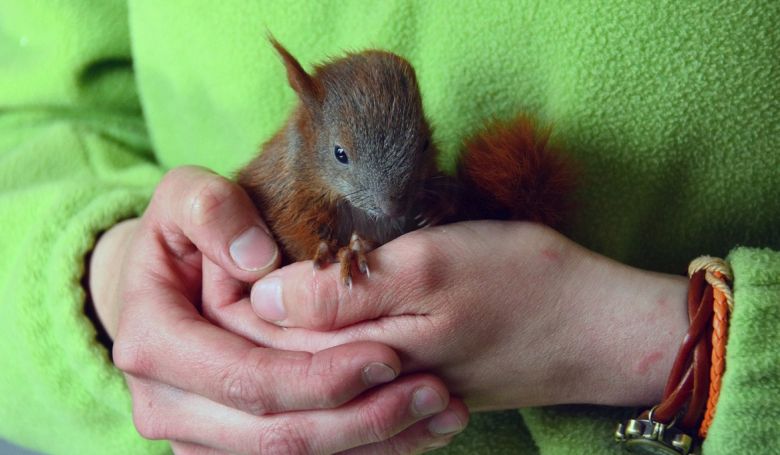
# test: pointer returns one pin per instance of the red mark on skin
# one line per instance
(551, 255)
(663, 302)
(646, 363)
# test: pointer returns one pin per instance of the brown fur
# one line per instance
(296, 209)
(369, 104)
(509, 171)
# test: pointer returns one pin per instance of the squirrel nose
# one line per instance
(391, 207)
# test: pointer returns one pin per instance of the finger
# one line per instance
(223, 304)
(191, 354)
(371, 418)
(219, 288)
(406, 274)
(432, 433)
(237, 317)
(399, 332)
(199, 209)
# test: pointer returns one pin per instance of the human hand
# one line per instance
(509, 314)
(209, 390)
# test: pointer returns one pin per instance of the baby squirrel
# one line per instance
(354, 165)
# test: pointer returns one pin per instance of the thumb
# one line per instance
(198, 211)
(402, 282)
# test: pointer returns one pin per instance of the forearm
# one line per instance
(625, 343)
(603, 332)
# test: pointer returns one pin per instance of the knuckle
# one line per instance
(172, 186)
(132, 357)
(243, 393)
(425, 279)
(167, 182)
(207, 200)
(378, 423)
(327, 295)
(147, 421)
(252, 384)
(133, 349)
(282, 439)
(325, 372)
(328, 395)
(171, 180)
(424, 266)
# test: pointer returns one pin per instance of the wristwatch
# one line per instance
(645, 436)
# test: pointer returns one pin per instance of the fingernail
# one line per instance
(253, 250)
(445, 423)
(266, 297)
(426, 401)
(378, 373)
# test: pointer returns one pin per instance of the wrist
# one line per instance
(105, 271)
(635, 323)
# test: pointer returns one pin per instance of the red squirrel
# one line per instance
(354, 165)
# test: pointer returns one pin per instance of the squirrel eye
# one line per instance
(341, 155)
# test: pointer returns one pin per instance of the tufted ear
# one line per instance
(307, 88)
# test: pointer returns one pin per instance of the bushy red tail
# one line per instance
(509, 171)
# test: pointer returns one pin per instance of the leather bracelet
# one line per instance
(719, 276)
(694, 381)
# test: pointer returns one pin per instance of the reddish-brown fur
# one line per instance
(294, 202)
(507, 171)
(286, 181)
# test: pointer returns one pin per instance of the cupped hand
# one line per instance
(508, 314)
(158, 283)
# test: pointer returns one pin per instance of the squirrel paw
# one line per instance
(356, 250)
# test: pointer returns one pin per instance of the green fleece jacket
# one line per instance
(671, 108)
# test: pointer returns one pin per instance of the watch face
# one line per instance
(649, 447)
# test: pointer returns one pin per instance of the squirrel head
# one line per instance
(366, 130)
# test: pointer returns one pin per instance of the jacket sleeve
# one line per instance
(74, 160)
(749, 405)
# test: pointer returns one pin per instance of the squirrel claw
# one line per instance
(356, 250)
(322, 256)
(348, 282)
(359, 250)
(345, 261)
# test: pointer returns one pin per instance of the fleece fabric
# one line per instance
(670, 108)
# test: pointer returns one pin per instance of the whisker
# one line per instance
(361, 190)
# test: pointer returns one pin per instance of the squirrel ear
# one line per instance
(303, 84)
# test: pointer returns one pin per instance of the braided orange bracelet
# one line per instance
(692, 390)
(718, 275)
